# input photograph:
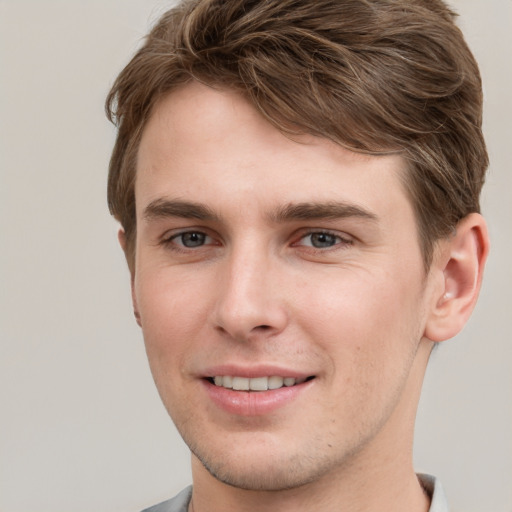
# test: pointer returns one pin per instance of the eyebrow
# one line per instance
(162, 208)
(331, 210)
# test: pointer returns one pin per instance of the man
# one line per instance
(297, 184)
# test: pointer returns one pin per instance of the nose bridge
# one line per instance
(249, 302)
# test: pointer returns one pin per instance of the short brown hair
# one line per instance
(374, 76)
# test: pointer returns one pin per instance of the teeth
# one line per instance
(275, 382)
(241, 384)
(256, 383)
(227, 382)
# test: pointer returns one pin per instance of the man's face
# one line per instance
(260, 260)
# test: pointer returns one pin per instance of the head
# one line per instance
(297, 184)
(375, 77)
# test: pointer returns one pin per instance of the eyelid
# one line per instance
(344, 238)
(176, 231)
(169, 237)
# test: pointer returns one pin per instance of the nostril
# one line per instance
(263, 327)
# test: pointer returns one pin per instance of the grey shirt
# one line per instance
(177, 504)
(433, 486)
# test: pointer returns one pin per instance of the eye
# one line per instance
(190, 239)
(322, 240)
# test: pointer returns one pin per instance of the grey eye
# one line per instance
(322, 240)
(192, 239)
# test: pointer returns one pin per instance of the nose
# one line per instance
(250, 301)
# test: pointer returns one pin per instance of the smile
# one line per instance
(256, 383)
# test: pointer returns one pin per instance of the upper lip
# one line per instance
(253, 371)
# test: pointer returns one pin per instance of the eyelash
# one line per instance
(339, 242)
(170, 241)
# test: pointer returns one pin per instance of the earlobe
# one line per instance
(136, 313)
(121, 236)
(460, 263)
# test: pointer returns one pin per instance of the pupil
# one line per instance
(323, 240)
(193, 239)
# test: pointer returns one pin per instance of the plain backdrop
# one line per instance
(81, 425)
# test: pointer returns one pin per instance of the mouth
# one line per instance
(270, 383)
(251, 392)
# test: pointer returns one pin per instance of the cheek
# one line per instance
(164, 296)
(368, 322)
(369, 336)
(358, 303)
(173, 312)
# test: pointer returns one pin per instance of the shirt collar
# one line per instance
(434, 488)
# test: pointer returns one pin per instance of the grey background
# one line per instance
(81, 425)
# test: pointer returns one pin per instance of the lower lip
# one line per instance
(254, 403)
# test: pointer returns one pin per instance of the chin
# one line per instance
(259, 479)
(266, 471)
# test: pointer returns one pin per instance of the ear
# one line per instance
(459, 265)
(121, 236)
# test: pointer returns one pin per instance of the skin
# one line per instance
(230, 271)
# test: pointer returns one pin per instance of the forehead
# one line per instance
(204, 143)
